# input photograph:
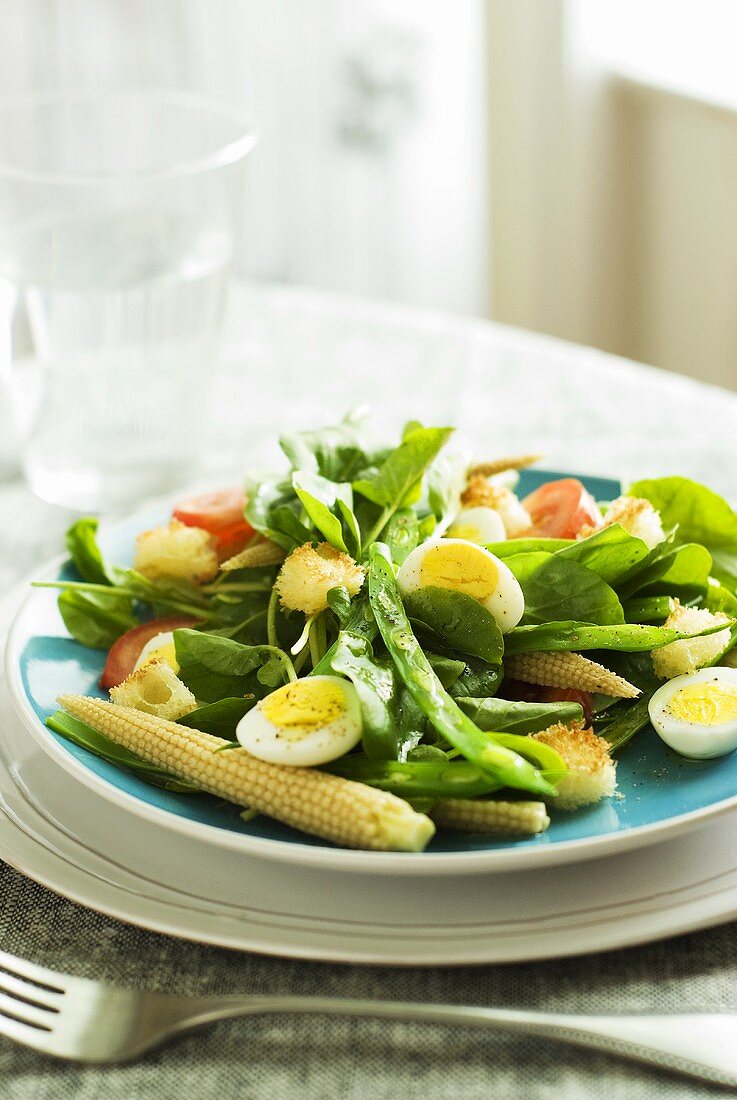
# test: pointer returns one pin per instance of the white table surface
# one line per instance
(300, 358)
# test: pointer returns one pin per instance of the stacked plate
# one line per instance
(659, 859)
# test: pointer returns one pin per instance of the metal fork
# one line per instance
(90, 1021)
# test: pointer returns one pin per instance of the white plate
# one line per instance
(681, 795)
(95, 853)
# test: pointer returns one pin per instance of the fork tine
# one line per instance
(23, 1033)
(33, 994)
(25, 1013)
(30, 972)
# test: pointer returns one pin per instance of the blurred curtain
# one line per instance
(614, 198)
(370, 174)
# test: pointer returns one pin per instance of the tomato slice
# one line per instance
(220, 513)
(570, 695)
(231, 540)
(124, 653)
(559, 509)
(214, 512)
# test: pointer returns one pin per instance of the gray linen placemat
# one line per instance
(290, 1058)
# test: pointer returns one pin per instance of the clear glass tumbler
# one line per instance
(119, 216)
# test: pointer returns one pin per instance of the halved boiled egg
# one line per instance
(696, 714)
(465, 567)
(159, 648)
(480, 524)
(307, 722)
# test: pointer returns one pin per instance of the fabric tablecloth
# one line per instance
(299, 358)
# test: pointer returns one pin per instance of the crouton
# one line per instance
(637, 516)
(480, 491)
(688, 654)
(155, 689)
(310, 572)
(591, 773)
(178, 551)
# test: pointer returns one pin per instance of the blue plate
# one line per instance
(659, 792)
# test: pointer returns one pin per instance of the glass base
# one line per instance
(87, 490)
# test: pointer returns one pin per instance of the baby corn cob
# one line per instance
(263, 553)
(568, 670)
(349, 814)
(470, 815)
(499, 465)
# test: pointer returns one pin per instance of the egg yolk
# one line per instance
(464, 531)
(705, 704)
(166, 653)
(463, 568)
(304, 706)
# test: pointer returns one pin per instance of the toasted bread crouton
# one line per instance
(480, 491)
(688, 654)
(155, 689)
(592, 774)
(310, 572)
(185, 553)
(637, 516)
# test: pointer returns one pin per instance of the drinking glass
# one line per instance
(119, 215)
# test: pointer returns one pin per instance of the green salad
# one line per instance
(378, 642)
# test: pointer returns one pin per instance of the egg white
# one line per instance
(504, 599)
(697, 740)
(332, 724)
(480, 524)
(163, 642)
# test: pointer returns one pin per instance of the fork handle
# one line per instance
(700, 1045)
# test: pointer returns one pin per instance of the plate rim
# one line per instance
(62, 870)
(353, 860)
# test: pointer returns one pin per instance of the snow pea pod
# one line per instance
(450, 779)
(501, 764)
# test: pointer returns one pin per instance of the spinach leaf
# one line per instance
(682, 572)
(719, 598)
(613, 554)
(88, 738)
(447, 669)
(510, 547)
(220, 718)
(96, 619)
(477, 680)
(458, 620)
(701, 515)
(81, 542)
(502, 716)
(398, 481)
(360, 622)
(329, 505)
(215, 668)
(272, 510)
(557, 589)
(335, 452)
(563, 636)
(339, 602)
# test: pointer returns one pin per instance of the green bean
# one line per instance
(620, 731)
(501, 764)
(448, 779)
